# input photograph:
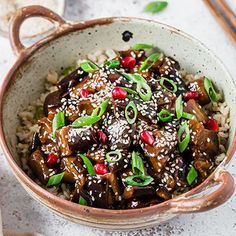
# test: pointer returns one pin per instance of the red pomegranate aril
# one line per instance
(119, 93)
(102, 137)
(128, 62)
(147, 138)
(191, 95)
(212, 125)
(51, 159)
(100, 169)
(84, 93)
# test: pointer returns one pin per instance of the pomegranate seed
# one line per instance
(119, 93)
(147, 138)
(212, 125)
(128, 62)
(191, 95)
(100, 169)
(51, 159)
(84, 93)
(102, 137)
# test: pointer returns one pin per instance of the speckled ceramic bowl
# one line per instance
(25, 82)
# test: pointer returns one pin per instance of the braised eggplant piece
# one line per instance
(73, 170)
(53, 100)
(98, 188)
(45, 130)
(198, 86)
(136, 192)
(38, 166)
(119, 136)
(118, 132)
(194, 108)
(72, 79)
(169, 69)
(206, 141)
(81, 139)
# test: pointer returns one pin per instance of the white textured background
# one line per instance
(21, 212)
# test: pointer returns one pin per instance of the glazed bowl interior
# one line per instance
(27, 78)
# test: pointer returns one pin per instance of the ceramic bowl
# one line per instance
(25, 82)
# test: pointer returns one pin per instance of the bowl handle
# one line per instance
(225, 189)
(21, 15)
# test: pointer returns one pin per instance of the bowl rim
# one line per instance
(66, 205)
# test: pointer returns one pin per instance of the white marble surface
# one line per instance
(21, 212)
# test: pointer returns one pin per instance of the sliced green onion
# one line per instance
(137, 164)
(58, 122)
(170, 82)
(88, 66)
(88, 164)
(39, 113)
(113, 156)
(188, 116)
(100, 110)
(130, 91)
(82, 201)
(146, 180)
(112, 64)
(192, 175)
(85, 121)
(183, 142)
(143, 88)
(140, 46)
(150, 61)
(131, 106)
(213, 95)
(68, 70)
(144, 91)
(156, 6)
(165, 116)
(179, 107)
(55, 179)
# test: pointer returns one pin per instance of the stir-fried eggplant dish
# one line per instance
(128, 133)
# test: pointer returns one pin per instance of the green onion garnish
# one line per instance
(165, 116)
(130, 91)
(179, 107)
(183, 137)
(143, 88)
(169, 82)
(144, 91)
(131, 180)
(100, 110)
(112, 64)
(82, 201)
(188, 116)
(213, 95)
(55, 179)
(88, 164)
(113, 156)
(140, 46)
(156, 6)
(88, 66)
(192, 175)
(68, 70)
(85, 121)
(150, 61)
(131, 106)
(58, 122)
(137, 164)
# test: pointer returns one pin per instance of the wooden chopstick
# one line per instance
(224, 15)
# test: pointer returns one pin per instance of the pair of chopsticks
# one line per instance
(224, 15)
